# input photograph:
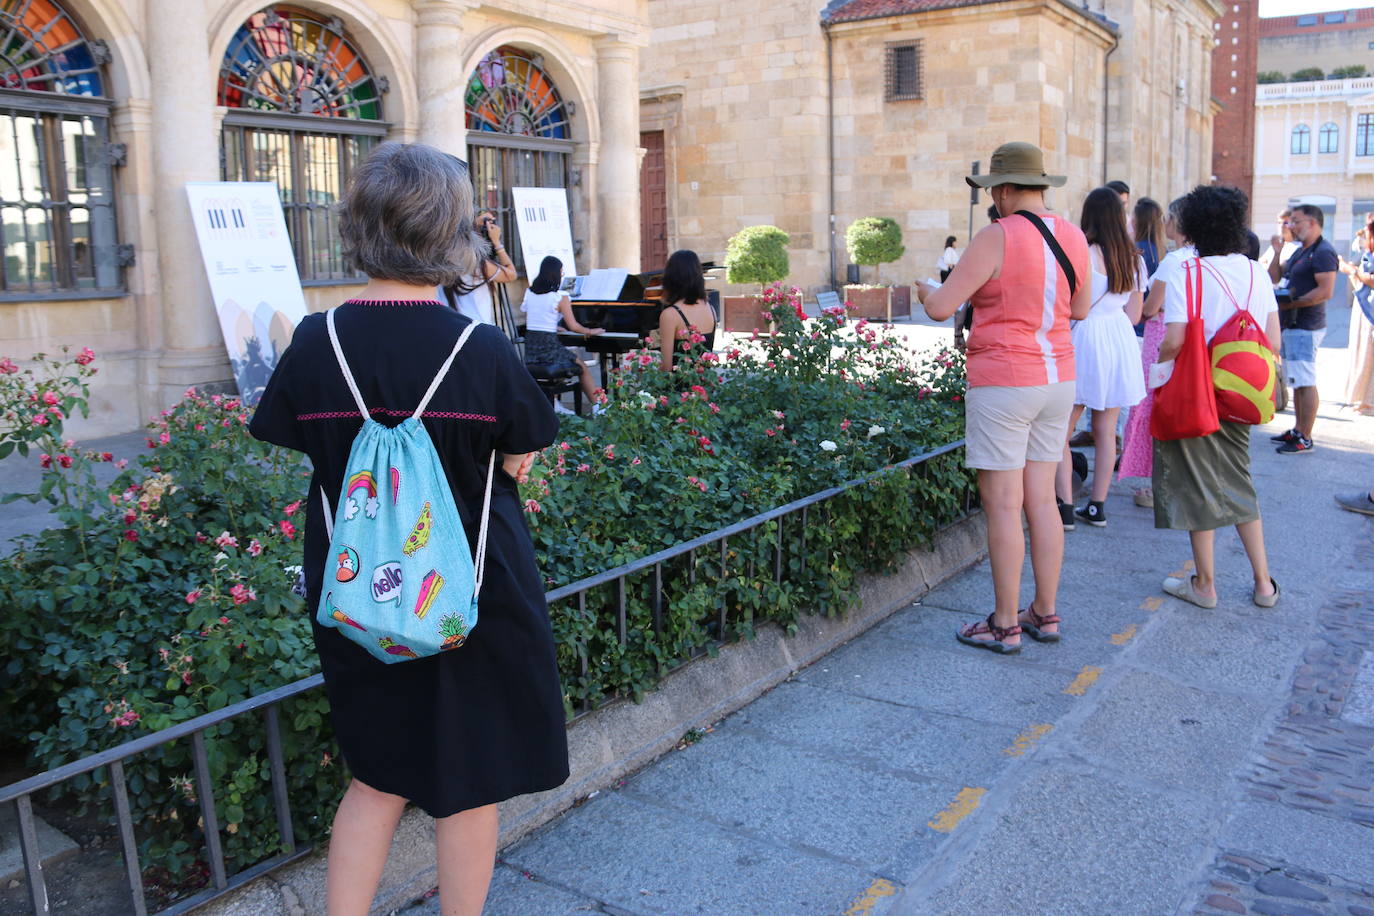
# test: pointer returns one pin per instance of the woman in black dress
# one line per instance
(686, 310)
(457, 732)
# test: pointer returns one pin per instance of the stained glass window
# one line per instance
(288, 61)
(518, 134)
(509, 93)
(44, 50)
(58, 228)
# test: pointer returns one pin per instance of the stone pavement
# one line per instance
(1161, 759)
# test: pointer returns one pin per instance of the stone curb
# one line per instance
(620, 738)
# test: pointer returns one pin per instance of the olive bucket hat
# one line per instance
(1017, 163)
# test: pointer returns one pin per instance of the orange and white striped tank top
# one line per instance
(1020, 333)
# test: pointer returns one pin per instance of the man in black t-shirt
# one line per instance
(1305, 283)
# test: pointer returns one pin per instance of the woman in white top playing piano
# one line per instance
(544, 305)
(685, 308)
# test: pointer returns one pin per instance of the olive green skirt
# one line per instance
(1204, 483)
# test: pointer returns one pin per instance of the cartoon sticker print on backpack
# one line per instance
(339, 615)
(348, 564)
(419, 537)
(395, 485)
(454, 631)
(386, 583)
(392, 648)
(362, 481)
(429, 590)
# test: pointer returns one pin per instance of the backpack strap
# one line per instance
(1056, 248)
(443, 370)
(479, 560)
(343, 364)
(1227, 290)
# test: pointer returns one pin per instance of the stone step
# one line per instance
(53, 844)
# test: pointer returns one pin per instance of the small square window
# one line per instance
(1309, 19)
(1334, 18)
(903, 76)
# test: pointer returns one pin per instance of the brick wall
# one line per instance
(1234, 63)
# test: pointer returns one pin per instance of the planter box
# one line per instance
(879, 303)
(743, 314)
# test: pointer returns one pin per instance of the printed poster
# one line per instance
(541, 216)
(252, 272)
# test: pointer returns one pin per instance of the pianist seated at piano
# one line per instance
(686, 313)
(544, 305)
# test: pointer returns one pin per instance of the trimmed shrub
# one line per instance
(874, 240)
(757, 254)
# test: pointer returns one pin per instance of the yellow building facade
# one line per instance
(112, 106)
(809, 116)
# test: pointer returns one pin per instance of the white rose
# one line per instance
(875, 430)
(828, 446)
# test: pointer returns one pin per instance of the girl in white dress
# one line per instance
(1105, 348)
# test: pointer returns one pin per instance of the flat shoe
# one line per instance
(996, 644)
(1267, 600)
(1145, 499)
(1183, 589)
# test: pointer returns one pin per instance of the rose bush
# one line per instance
(168, 594)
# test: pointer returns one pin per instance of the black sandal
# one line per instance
(998, 644)
(1034, 623)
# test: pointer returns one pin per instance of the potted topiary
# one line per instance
(756, 254)
(875, 240)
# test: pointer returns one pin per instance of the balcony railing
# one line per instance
(1363, 85)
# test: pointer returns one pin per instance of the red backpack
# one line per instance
(1242, 361)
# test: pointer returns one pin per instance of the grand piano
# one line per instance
(629, 319)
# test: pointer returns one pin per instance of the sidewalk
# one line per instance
(1161, 759)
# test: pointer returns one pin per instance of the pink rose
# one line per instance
(86, 356)
(287, 529)
(131, 535)
(191, 598)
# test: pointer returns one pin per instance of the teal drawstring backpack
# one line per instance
(399, 579)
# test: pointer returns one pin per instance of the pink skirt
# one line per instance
(1137, 447)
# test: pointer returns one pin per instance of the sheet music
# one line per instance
(603, 284)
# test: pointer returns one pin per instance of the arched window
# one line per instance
(1302, 140)
(1328, 139)
(518, 133)
(304, 109)
(56, 160)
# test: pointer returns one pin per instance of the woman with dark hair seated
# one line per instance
(544, 305)
(1202, 484)
(457, 732)
(686, 310)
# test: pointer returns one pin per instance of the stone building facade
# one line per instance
(112, 106)
(809, 116)
(1314, 140)
(1234, 65)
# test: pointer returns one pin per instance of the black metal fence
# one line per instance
(716, 545)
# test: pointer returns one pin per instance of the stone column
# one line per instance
(617, 192)
(183, 144)
(438, 74)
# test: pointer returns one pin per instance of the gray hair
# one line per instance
(407, 216)
(1312, 212)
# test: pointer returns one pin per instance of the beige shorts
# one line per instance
(1007, 426)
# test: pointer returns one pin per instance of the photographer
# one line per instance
(471, 295)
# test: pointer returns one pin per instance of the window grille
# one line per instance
(1364, 135)
(904, 72)
(519, 136)
(304, 110)
(57, 201)
(1302, 140)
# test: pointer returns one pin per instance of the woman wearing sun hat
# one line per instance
(1023, 289)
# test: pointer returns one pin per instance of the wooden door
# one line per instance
(653, 203)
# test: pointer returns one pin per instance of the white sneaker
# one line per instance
(559, 408)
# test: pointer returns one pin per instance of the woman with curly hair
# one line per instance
(1202, 484)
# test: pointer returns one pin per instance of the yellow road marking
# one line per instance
(1026, 740)
(1125, 636)
(869, 898)
(1153, 603)
(1182, 571)
(969, 798)
(1085, 679)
